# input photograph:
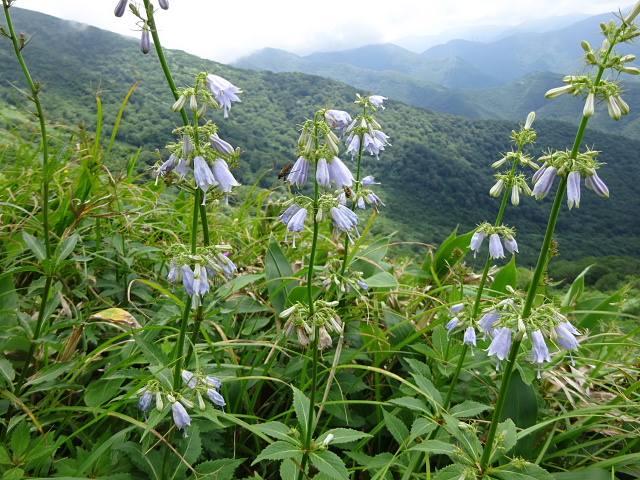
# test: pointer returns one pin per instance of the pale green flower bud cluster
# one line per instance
(325, 320)
(516, 184)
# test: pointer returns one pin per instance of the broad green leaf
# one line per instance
(13, 474)
(395, 426)
(369, 259)
(412, 404)
(584, 474)
(36, 245)
(431, 393)
(506, 277)
(522, 408)
(5, 458)
(434, 447)
(575, 291)
(51, 372)
(222, 469)
(64, 249)
(382, 280)
(277, 451)
(443, 259)
(289, 468)
(600, 310)
(275, 430)
(20, 438)
(330, 464)
(301, 407)
(451, 472)
(101, 391)
(6, 369)
(342, 435)
(529, 472)
(422, 426)
(507, 436)
(190, 449)
(153, 353)
(468, 408)
(467, 439)
(277, 270)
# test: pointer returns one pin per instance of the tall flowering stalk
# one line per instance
(571, 166)
(200, 163)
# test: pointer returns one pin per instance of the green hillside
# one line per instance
(435, 176)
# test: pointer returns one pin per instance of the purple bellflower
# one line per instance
(224, 91)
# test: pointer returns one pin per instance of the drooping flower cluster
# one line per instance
(197, 385)
(560, 163)
(200, 150)
(196, 271)
(145, 41)
(494, 234)
(324, 319)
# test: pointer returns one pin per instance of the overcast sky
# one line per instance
(224, 30)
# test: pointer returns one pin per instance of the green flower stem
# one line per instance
(35, 91)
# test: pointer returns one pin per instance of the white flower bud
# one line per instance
(614, 109)
(632, 14)
(556, 92)
(530, 118)
(589, 105)
(631, 70)
(515, 195)
(497, 188)
(179, 103)
(624, 106)
(627, 58)
(193, 102)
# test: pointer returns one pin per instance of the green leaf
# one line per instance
(101, 391)
(278, 451)
(395, 426)
(6, 369)
(467, 439)
(576, 289)
(65, 249)
(451, 472)
(51, 372)
(584, 474)
(275, 430)
(443, 259)
(301, 406)
(222, 469)
(468, 408)
(411, 403)
(153, 353)
(430, 392)
(330, 464)
(508, 437)
(528, 472)
(36, 245)
(422, 426)
(13, 474)
(5, 458)
(435, 447)
(277, 269)
(599, 309)
(190, 449)
(506, 277)
(382, 280)
(522, 408)
(20, 439)
(342, 435)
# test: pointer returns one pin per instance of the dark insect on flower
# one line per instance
(348, 192)
(285, 170)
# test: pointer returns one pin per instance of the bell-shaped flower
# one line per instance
(539, 349)
(224, 91)
(180, 416)
(353, 144)
(340, 174)
(470, 338)
(299, 172)
(187, 279)
(164, 4)
(362, 284)
(566, 336)
(501, 344)
(373, 145)
(338, 119)
(166, 167)
(376, 101)
(476, 242)
(181, 169)
(213, 382)
(288, 214)
(595, 183)
(452, 325)
(203, 174)
(224, 177)
(487, 322)
(216, 398)
(614, 108)
(510, 244)
(200, 280)
(120, 8)
(343, 218)
(539, 172)
(189, 378)
(322, 173)
(221, 146)
(573, 189)
(145, 401)
(544, 183)
(296, 224)
(369, 180)
(495, 247)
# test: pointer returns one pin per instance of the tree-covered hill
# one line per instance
(435, 176)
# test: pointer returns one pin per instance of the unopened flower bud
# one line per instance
(497, 188)
(515, 195)
(585, 46)
(179, 103)
(193, 102)
(530, 118)
(591, 58)
(145, 41)
(120, 8)
(589, 105)
(624, 106)
(614, 109)
(605, 45)
(556, 92)
(164, 4)
(632, 14)
(627, 58)
(631, 70)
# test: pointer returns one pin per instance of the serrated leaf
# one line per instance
(342, 435)
(330, 464)
(6, 369)
(411, 403)
(468, 408)
(13, 474)
(222, 469)
(301, 407)
(422, 426)
(20, 438)
(467, 439)
(435, 447)
(153, 353)
(451, 472)
(395, 426)
(275, 430)
(431, 393)
(36, 245)
(277, 451)
(529, 472)
(64, 249)
(508, 437)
